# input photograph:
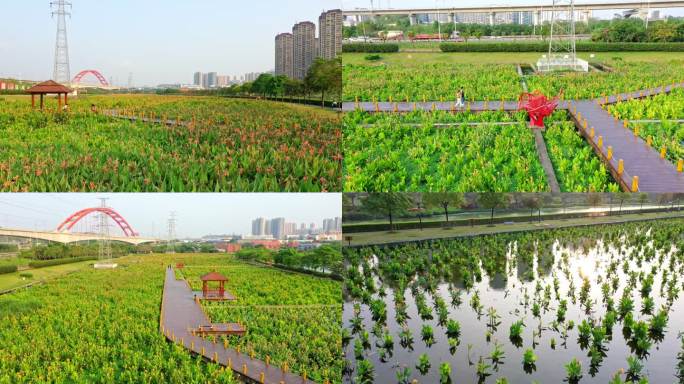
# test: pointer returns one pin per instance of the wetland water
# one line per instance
(521, 279)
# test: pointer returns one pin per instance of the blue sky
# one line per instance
(159, 41)
(198, 214)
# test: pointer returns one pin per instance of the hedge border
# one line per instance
(370, 47)
(544, 47)
(49, 263)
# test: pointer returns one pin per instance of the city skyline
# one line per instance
(163, 42)
(399, 4)
(280, 227)
(197, 214)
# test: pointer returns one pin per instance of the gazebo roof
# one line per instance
(213, 276)
(49, 87)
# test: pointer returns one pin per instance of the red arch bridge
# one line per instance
(62, 234)
(100, 78)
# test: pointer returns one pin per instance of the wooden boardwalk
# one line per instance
(180, 313)
(644, 170)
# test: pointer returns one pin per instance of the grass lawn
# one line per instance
(382, 237)
(13, 280)
(419, 58)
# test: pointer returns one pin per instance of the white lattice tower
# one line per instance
(105, 251)
(62, 72)
(171, 243)
(562, 34)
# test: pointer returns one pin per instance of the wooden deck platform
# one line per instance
(219, 329)
(227, 296)
(180, 314)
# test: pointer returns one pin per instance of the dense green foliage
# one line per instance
(370, 48)
(431, 82)
(291, 317)
(393, 155)
(622, 77)
(542, 46)
(62, 251)
(575, 164)
(7, 269)
(66, 260)
(667, 132)
(97, 326)
(229, 145)
(327, 257)
(634, 30)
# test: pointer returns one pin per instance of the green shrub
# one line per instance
(7, 269)
(26, 275)
(374, 57)
(544, 47)
(48, 263)
(370, 47)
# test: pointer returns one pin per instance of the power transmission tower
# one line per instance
(103, 226)
(562, 54)
(171, 244)
(62, 73)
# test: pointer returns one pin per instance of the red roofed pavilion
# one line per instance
(210, 293)
(46, 88)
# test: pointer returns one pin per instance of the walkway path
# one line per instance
(180, 313)
(141, 118)
(546, 161)
(643, 168)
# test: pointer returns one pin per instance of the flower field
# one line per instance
(228, 145)
(429, 81)
(576, 166)
(436, 151)
(292, 318)
(624, 77)
(668, 132)
(592, 304)
(97, 326)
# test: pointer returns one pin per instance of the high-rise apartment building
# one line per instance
(259, 227)
(330, 35)
(304, 42)
(197, 79)
(212, 80)
(278, 228)
(284, 53)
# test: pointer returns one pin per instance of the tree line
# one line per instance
(392, 205)
(636, 31)
(326, 258)
(323, 78)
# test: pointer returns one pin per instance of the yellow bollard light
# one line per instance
(262, 379)
(591, 133)
(663, 152)
(244, 369)
(600, 142)
(621, 167)
(635, 184)
(609, 155)
(680, 165)
(636, 130)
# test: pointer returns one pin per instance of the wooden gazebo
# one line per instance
(47, 88)
(216, 293)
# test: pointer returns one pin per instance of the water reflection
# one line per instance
(564, 296)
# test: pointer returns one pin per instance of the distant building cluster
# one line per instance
(278, 228)
(211, 80)
(15, 85)
(491, 18)
(296, 51)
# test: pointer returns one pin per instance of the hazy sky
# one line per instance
(159, 41)
(197, 214)
(350, 4)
